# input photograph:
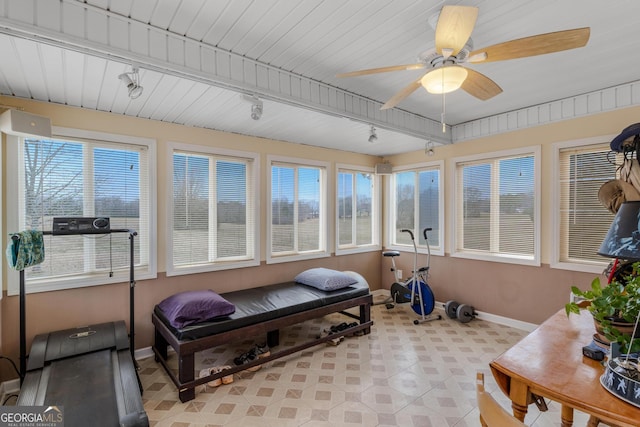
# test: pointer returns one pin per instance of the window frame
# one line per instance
(556, 239)
(171, 269)
(149, 252)
(375, 245)
(2, 185)
(325, 208)
(455, 162)
(438, 250)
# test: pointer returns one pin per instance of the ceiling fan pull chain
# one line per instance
(444, 105)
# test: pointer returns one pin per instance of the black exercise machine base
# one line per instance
(89, 372)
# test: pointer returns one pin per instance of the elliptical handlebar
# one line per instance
(414, 278)
(424, 232)
(406, 230)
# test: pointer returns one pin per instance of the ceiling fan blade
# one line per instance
(532, 46)
(454, 28)
(480, 86)
(382, 70)
(408, 90)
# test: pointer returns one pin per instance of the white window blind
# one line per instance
(495, 206)
(298, 211)
(355, 208)
(214, 219)
(416, 195)
(584, 221)
(84, 178)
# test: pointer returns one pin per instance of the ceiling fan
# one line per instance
(454, 47)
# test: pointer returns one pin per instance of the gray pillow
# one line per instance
(186, 308)
(325, 279)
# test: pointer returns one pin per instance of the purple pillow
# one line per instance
(187, 308)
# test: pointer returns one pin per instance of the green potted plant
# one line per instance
(614, 307)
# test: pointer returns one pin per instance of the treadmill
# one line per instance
(87, 371)
(90, 372)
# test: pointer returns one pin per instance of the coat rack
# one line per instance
(60, 231)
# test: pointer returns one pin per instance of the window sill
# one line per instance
(506, 259)
(206, 268)
(296, 257)
(594, 268)
(75, 282)
(358, 249)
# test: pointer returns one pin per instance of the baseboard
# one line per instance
(143, 353)
(517, 324)
(7, 388)
(501, 320)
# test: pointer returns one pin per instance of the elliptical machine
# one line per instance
(415, 289)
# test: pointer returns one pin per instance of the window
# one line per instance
(497, 207)
(297, 210)
(581, 221)
(213, 210)
(356, 210)
(84, 174)
(416, 204)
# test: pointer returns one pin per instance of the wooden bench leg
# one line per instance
(273, 338)
(186, 373)
(365, 316)
(160, 345)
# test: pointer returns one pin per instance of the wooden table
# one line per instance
(549, 363)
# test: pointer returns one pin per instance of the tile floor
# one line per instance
(399, 375)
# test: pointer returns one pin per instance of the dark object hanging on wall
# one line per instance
(624, 142)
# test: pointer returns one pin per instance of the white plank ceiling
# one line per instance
(198, 57)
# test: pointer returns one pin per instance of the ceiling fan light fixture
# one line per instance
(444, 79)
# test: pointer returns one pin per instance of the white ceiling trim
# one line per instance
(600, 101)
(196, 56)
(105, 34)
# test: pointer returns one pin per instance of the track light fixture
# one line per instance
(256, 108)
(428, 148)
(372, 135)
(132, 82)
